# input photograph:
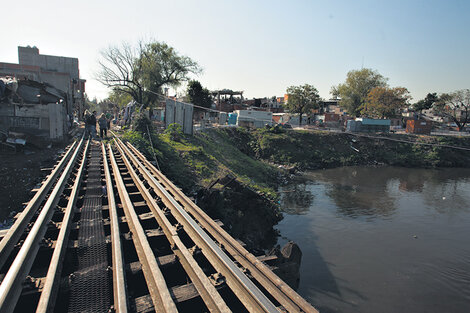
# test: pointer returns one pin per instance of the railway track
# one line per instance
(107, 232)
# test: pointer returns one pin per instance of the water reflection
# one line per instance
(372, 192)
(353, 202)
(451, 196)
(357, 193)
(372, 237)
(296, 199)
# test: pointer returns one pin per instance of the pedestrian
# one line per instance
(91, 124)
(86, 115)
(103, 122)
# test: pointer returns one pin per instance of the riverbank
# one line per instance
(309, 150)
(227, 183)
(234, 173)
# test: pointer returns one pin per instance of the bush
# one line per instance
(276, 129)
(141, 122)
(175, 131)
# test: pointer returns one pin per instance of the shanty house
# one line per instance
(251, 118)
(368, 125)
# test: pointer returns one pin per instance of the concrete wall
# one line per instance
(51, 63)
(19, 71)
(180, 113)
(58, 80)
(48, 120)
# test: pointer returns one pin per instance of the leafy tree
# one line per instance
(354, 91)
(426, 103)
(198, 95)
(455, 106)
(302, 99)
(163, 66)
(384, 102)
(120, 98)
(143, 70)
(91, 105)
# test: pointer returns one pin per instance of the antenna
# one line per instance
(362, 66)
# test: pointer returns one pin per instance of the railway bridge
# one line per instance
(107, 232)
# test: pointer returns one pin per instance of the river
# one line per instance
(383, 239)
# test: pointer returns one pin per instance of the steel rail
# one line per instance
(203, 285)
(11, 287)
(157, 287)
(11, 238)
(247, 292)
(284, 294)
(119, 280)
(50, 289)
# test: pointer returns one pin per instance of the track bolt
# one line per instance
(29, 283)
(46, 242)
(246, 272)
(194, 250)
(217, 279)
(178, 227)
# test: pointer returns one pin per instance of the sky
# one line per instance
(260, 47)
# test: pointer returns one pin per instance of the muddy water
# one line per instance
(382, 239)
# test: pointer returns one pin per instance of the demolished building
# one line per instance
(61, 72)
(36, 110)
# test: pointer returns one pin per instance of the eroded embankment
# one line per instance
(233, 173)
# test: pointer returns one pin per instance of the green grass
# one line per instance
(252, 156)
(196, 161)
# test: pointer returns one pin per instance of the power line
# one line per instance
(191, 104)
(410, 142)
(204, 108)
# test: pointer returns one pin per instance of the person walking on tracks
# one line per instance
(91, 124)
(103, 123)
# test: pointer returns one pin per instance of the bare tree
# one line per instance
(143, 70)
(455, 106)
(121, 71)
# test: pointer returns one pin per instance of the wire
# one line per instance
(191, 104)
(410, 142)
(208, 109)
(153, 150)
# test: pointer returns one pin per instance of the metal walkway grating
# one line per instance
(90, 287)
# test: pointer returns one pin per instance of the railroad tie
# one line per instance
(90, 289)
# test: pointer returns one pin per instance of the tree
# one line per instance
(143, 70)
(455, 106)
(426, 103)
(120, 98)
(91, 105)
(384, 102)
(302, 99)
(354, 91)
(197, 95)
(163, 66)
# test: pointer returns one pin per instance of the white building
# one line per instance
(252, 118)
